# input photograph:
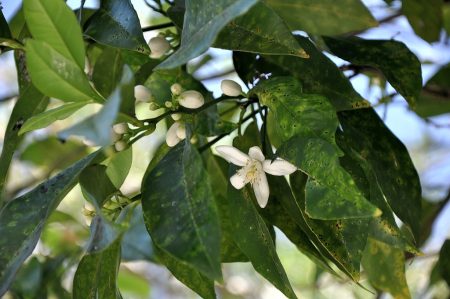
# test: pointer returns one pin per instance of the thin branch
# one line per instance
(158, 26)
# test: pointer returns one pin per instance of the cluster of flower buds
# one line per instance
(119, 130)
(230, 88)
(159, 46)
(142, 94)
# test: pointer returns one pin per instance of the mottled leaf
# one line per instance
(56, 76)
(425, 17)
(324, 17)
(107, 71)
(260, 30)
(116, 24)
(203, 21)
(96, 185)
(385, 268)
(22, 219)
(54, 23)
(180, 213)
(395, 61)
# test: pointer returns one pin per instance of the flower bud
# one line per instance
(142, 93)
(120, 145)
(171, 136)
(115, 137)
(176, 116)
(158, 46)
(194, 139)
(181, 131)
(120, 128)
(168, 104)
(176, 89)
(191, 99)
(230, 88)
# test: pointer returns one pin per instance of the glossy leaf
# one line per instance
(324, 17)
(97, 128)
(318, 75)
(390, 162)
(119, 166)
(4, 28)
(48, 117)
(254, 239)
(425, 17)
(56, 76)
(96, 274)
(179, 213)
(396, 62)
(116, 24)
(96, 185)
(295, 112)
(385, 269)
(203, 22)
(22, 220)
(262, 31)
(107, 71)
(54, 23)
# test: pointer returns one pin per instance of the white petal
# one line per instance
(191, 99)
(232, 155)
(158, 46)
(238, 181)
(171, 136)
(278, 167)
(181, 131)
(230, 88)
(261, 189)
(142, 93)
(255, 153)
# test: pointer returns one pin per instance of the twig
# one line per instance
(158, 26)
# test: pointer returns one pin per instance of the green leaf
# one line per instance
(318, 75)
(4, 28)
(324, 17)
(434, 97)
(57, 76)
(203, 22)
(396, 62)
(390, 162)
(22, 219)
(52, 154)
(96, 275)
(97, 128)
(425, 17)
(116, 24)
(442, 267)
(385, 268)
(295, 112)
(260, 30)
(107, 71)
(119, 167)
(54, 23)
(331, 193)
(179, 213)
(96, 185)
(253, 238)
(48, 117)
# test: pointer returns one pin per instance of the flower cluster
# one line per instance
(119, 130)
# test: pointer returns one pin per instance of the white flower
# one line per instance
(176, 133)
(230, 88)
(142, 93)
(254, 168)
(158, 46)
(176, 89)
(120, 128)
(191, 99)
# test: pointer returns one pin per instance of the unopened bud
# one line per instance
(194, 139)
(168, 104)
(176, 89)
(176, 116)
(142, 93)
(120, 145)
(230, 88)
(191, 99)
(171, 135)
(158, 46)
(120, 128)
(181, 131)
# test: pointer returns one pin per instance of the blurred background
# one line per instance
(427, 139)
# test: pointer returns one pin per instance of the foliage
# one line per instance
(352, 176)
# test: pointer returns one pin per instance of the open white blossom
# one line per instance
(176, 133)
(230, 88)
(158, 46)
(191, 99)
(254, 169)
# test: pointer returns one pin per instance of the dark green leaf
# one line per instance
(205, 19)
(107, 71)
(397, 63)
(119, 166)
(116, 24)
(253, 238)
(318, 75)
(48, 117)
(324, 17)
(385, 268)
(96, 274)
(442, 268)
(260, 30)
(390, 162)
(57, 76)
(425, 17)
(22, 220)
(180, 213)
(54, 23)
(4, 28)
(96, 185)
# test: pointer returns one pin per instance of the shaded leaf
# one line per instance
(397, 63)
(441, 269)
(425, 17)
(119, 166)
(324, 17)
(4, 28)
(203, 21)
(385, 268)
(260, 30)
(56, 76)
(96, 185)
(54, 23)
(116, 24)
(107, 71)
(180, 213)
(22, 220)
